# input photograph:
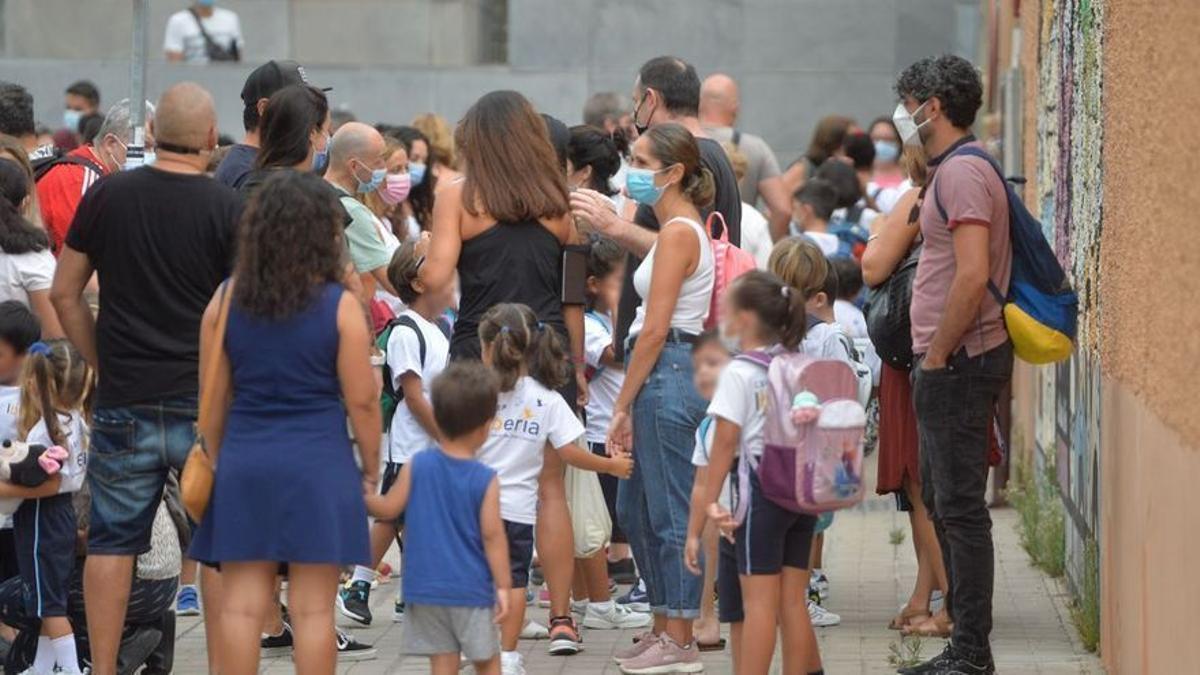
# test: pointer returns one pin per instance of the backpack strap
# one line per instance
(42, 169)
(981, 153)
(758, 357)
(407, 322)
(737, 138)
(717, 216)
(389, 385)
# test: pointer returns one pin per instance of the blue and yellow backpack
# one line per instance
(1041, 308)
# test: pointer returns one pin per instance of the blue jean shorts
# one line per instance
(133, 449)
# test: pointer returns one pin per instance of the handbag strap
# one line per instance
(208, 384)
(209, 43)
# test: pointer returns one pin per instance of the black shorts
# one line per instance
(391, 472)
(520, 552)
(729, 586)
(608, 484)
(772, 537)
(8, 555)
(45, 538)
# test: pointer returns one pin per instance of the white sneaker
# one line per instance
(616, 617)
(512, 663)
(821, 617)
(534, 631)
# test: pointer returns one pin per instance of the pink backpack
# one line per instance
(812, 436)
(729, 263)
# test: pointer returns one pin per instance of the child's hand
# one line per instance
(501, 605)
(691, 555)
(723, 519)
(621, 466)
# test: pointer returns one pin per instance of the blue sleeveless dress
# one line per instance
(287, 488)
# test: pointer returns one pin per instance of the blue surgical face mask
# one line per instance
(377, 178)
(639, 183)
(416, 171)
(206, 3)
(71, 119)
(321, 158)
(887, 151)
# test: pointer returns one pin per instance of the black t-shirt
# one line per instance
(238, 164)
(254, 180)
(728, 201)
(161, 244)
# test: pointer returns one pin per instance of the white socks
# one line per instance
(64, 653)
(363, 574)
(44, 661)
(601, 607)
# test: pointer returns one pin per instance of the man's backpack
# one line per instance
(390, 397)
(729, 263)
(811, 465)
(42, 165)
(1041, 309)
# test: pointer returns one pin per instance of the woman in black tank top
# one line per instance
(503, 228)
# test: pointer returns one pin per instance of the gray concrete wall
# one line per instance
(388, 60)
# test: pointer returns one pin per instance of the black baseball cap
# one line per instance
(272, 76)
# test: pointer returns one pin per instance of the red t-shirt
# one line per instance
(972, 194)
(60, 190)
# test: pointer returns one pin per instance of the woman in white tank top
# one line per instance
(656, 414)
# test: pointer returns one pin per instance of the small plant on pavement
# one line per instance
(897, 536)
(1085, 610)
(906, 653)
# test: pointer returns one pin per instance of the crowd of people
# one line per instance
(408, 333)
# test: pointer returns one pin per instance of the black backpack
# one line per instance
(888, 322)
(42, 165)
(390, 397)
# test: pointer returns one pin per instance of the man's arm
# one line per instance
(596, 209)
(966, 292)
(779, 206)
(70, 278)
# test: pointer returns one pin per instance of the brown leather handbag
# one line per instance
(196, 483)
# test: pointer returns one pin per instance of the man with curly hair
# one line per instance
(16, 114)
(964, 358)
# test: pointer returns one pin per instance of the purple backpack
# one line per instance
(812, 435)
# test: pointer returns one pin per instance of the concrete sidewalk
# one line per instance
(870, 578)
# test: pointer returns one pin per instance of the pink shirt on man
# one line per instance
(973, 195)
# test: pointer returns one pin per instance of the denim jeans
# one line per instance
(653, 505)
(955, 407)
(133, 448)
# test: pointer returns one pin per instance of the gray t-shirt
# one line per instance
(761, 163)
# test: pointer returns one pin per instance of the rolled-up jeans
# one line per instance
(653, 505)
(955, 406)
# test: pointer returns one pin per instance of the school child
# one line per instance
(605, 270)
(532, 419)
(801, 265)
(709, 358)
(771, 545)
(19, 328)
(56, 395)
(456, 575)
(417, 351)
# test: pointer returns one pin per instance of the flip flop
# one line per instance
(717, 646)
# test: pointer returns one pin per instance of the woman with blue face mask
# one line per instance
(295, 135)
(888, 181)
(658, 409)
(417, 209)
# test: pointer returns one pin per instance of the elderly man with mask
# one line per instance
(358, 166)
(62, 182)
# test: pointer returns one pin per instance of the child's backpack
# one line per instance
(390, 397)
(852, 236)
(1041, 308)
(812, 436)
(729, 263)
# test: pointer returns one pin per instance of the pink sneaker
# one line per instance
(664, 656)
(641, 642)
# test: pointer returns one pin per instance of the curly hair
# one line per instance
(289, 245)
(16, 110)
(948, 78)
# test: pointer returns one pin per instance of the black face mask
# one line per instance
(641, 128)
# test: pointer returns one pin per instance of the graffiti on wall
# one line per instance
(1070, 200)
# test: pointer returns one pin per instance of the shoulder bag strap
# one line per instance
(212, 367)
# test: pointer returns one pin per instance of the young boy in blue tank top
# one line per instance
(456, 575)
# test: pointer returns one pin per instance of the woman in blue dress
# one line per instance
(296, 365)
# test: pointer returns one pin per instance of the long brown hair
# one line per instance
(289, 244)
(519, 340)
(511, 170)
(827, 137)
(54, 379)
(671, 144)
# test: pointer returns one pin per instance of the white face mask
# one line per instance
(910, 131)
